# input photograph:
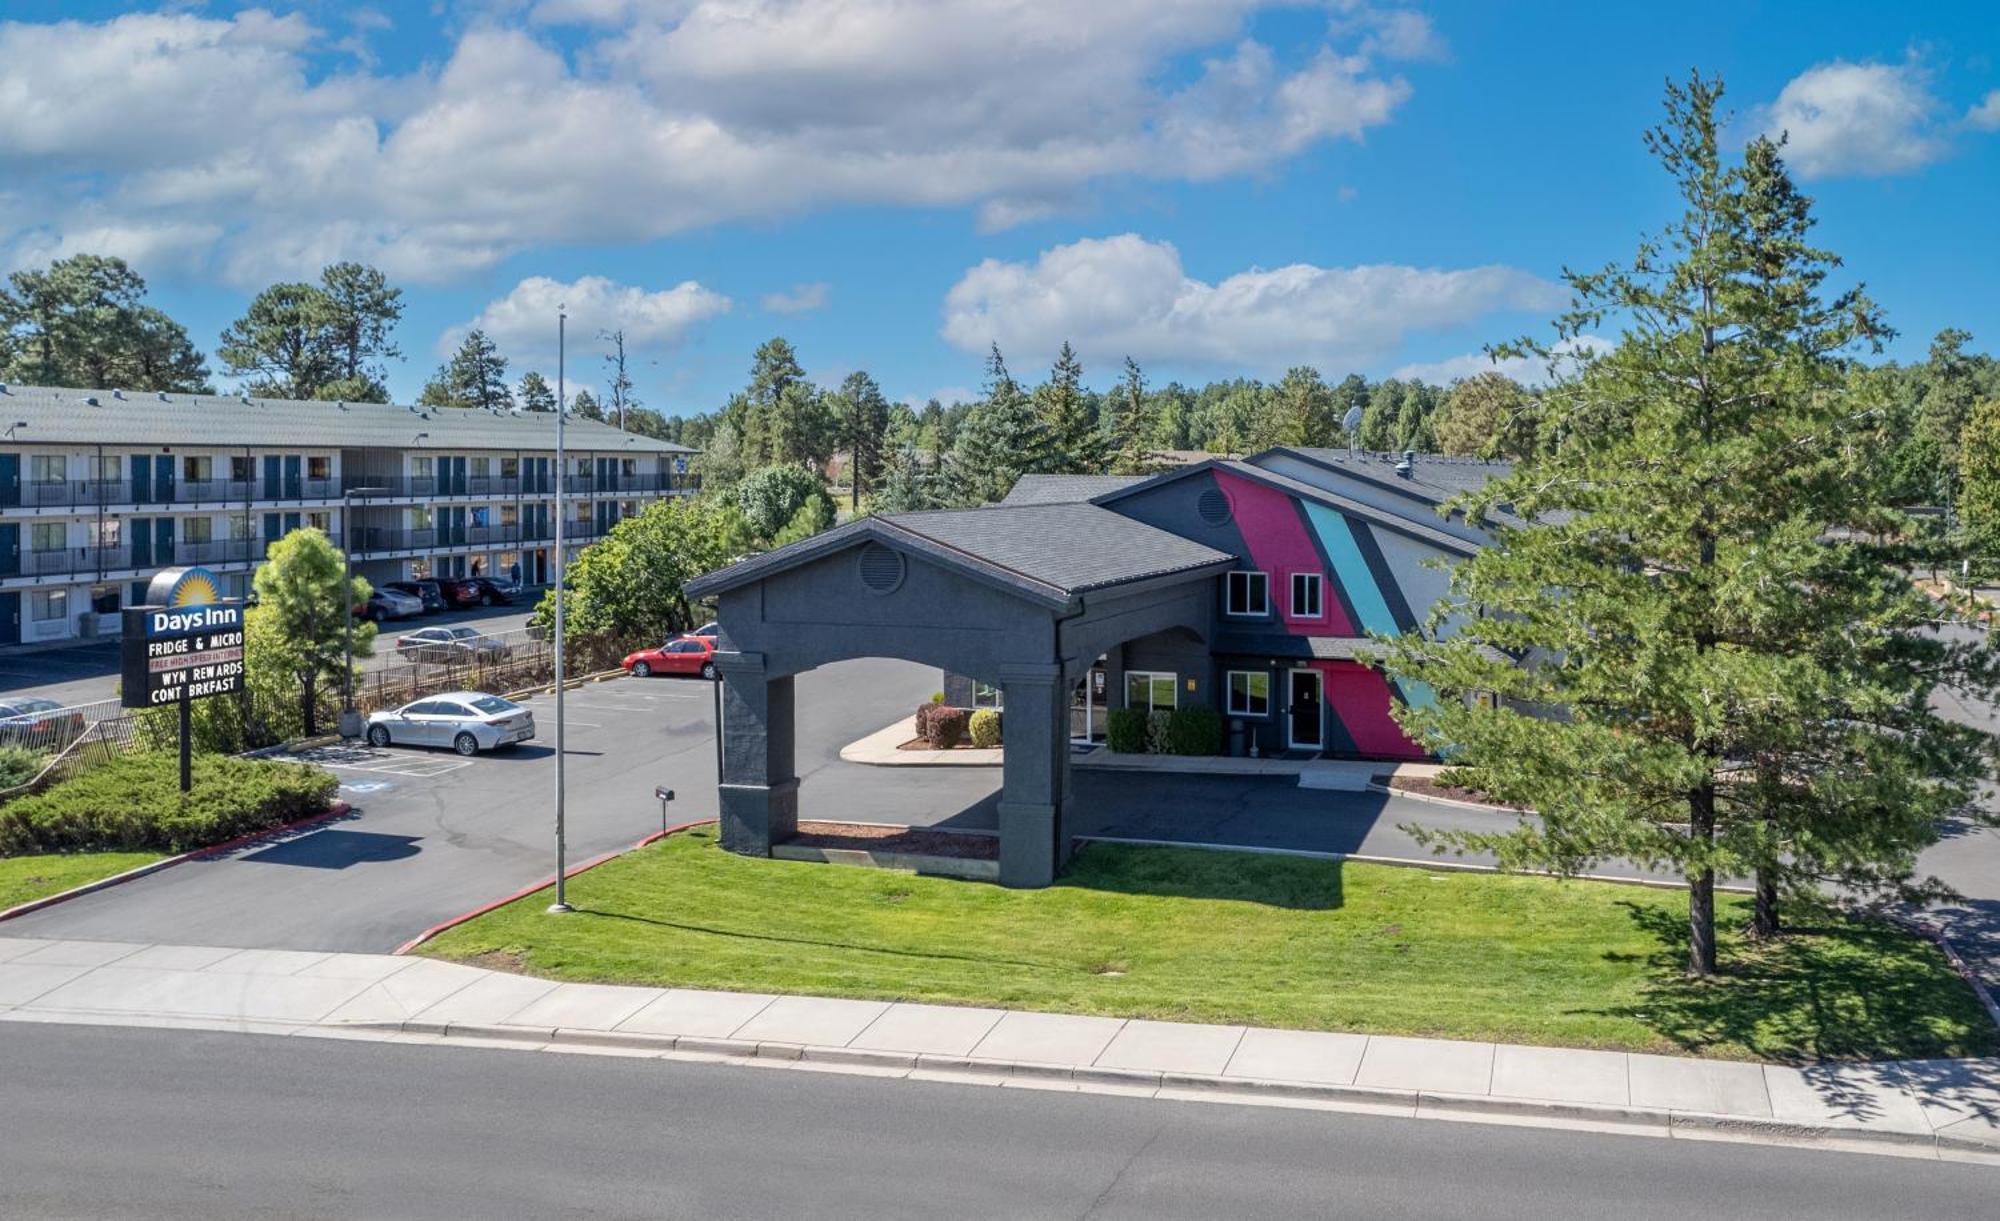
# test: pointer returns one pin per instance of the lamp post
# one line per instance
(350, 720)
(562, 476)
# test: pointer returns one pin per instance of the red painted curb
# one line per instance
(337, 810)
(544, 884)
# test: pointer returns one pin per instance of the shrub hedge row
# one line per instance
(135, 803)
(1194, 730)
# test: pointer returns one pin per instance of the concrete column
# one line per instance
(758, 795)
(1035, 775)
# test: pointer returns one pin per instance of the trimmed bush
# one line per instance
(1125, 730)
(947, 728)
(924, 713)
(1156, 732)
(20, 764)
(1195, 730)
(937, 697)
(135, 803)
(985, 728)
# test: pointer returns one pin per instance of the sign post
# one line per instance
(185, 644)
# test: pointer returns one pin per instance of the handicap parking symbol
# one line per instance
(364, 786)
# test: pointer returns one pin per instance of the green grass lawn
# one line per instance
(24, 879)
(1203, 936)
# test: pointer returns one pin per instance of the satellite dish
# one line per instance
(1352, 420)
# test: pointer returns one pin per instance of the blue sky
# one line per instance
(1215, 186)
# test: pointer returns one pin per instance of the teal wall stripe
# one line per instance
(1350, 567)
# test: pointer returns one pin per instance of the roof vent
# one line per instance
(119, 395)
(3, 388)
(163, 396)
(90, 399)
(1406, 464)
(881, 568)
(1214, 508)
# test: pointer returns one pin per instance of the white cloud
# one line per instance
(1528, 372)
(1118, 296)
(663, 115)
(523, 323)
(798, 299)
(1986, 115)
(1865, 119)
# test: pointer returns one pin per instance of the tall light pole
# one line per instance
(350, 720)
(562, 475)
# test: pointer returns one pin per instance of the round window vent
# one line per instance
(1214, 507)
(881, 568)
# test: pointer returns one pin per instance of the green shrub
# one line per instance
(937, 697)
(924, 712)
(135, 803)
(1195, 730)
(985, 729)
(20, 764)
(1125, 730)
(1156, 732)
(947, 728)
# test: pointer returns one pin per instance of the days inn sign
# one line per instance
(184, 644)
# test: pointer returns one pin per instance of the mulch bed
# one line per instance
(921, 841)
(1428, 787)
(924, 744)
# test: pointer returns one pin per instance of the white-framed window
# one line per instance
(479, 468)
(510, 515)
(110, 468)
(48, 468)
(986, 695)
(48, 605)
(480, 516)
(48, 536)
(320, 520)
(105, 533)
(1150, 690)
(422, 467)
(319, 466)
(198, 530)
(1308, 588)
(197, 468)
(420, 518)
(1249, 595)
(242, 525)
(241, 468)
(1249, 693)
(510, 468)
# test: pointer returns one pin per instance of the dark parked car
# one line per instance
(38, 724)
(427, 592)
(478, 591)
(449, 645)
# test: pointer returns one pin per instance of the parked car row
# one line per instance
(450, 645)
(39, 724)
(428, 596)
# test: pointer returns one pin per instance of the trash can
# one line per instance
(1235, 738)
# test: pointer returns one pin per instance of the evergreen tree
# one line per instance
(584, 406)
(359, 311)
(1303, 410)
(1131, 424)
(278, 343)
(535, 393)
(1000, 440)
(475, 376)
(861, 417)
(83, 321)
(1743, 681)
(1075, 444)
(909, 484)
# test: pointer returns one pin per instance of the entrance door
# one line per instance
(140, 531)
(163, 478)
(163, 541)
(10, 549)
(1304, 725)
(10, 479)
(1086, 708)
(142, 480)
(10, 618)
(295, 481)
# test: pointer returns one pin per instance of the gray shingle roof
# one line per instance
(144, 417)
(1049, 552)
(1065, 489)
(1432, 476)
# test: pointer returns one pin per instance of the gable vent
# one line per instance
(881, 568)
(1214, 507)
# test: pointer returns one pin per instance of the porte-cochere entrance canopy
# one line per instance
(1024, 597)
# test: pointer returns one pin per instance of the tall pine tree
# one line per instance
(1076, 446)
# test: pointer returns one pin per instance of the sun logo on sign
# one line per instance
(195, 588)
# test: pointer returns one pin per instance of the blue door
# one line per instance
(10, 618)
(292, 521)
(456, 467)
(10, 549)
(273, 484)
(142, 479)
(10, 479)
(140, 529)
(163, 541)
(273, 530)
(295, 487)
(163, 476)
(136, 596)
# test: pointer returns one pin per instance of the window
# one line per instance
(1249, 693)
(420, 518)
(480, 516)
(241, 526)
(239, 469)
(110, 468)
(510, 468)
(197, 468)
(986, 695)
(321, 521)
(628, 466)
(198, 530)
(423, 468)
(481, 467)
(104, 599)
(1249, 594)
(49, 605)
(319, 466)
(1306, 588)
(509, 515)
(48, 536)
(48, 468)
(1149, 691)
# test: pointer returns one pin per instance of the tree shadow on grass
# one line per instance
(1833, 989)
(1291, 882)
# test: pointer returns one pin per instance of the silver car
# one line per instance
(466, 721)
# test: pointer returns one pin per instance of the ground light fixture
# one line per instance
(350, 719)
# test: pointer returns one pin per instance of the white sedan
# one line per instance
(466, 721)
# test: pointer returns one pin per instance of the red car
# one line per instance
(688, 655)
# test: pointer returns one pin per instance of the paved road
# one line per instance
(86, 673)
(170, 1124)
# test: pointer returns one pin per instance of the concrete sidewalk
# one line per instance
(1933, 1109)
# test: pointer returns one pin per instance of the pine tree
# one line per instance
(535, 393)
(1076, 446)
(1304, 410)
(861, 418)
(1000, 440)
(584, 406)
(475, 376)
(1743, 681)
(1131, 424)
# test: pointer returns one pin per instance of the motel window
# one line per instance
(628, 466)
(1249, 594)
(986, 695)
(48, 468)
(240, 468)
(197, 530)
(420, 518)
(241, 526)
(104, 599)
(105, 533)
(1249, 693)
(510, 515)
(197, 468)
(481, 515)
(49, 605)
(323, 522)
(480, 467)
(110, 468)
(510, 468)
(48, 536)
(423, 468)
(1306, 590)
(319, 467)
(1149, 691)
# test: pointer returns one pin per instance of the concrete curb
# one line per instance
(340, 809)
(1419, 1104)
(1453, 802)
(569, 684)
(544, 884)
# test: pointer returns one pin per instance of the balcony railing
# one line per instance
(216, 491)
(99, 493)
(508, 487)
